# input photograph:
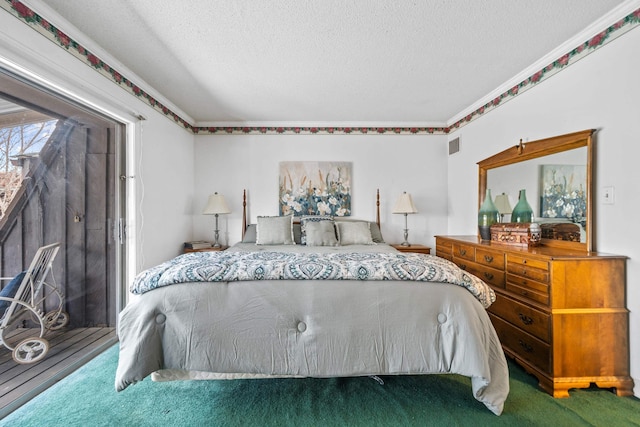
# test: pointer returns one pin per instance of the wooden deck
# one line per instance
(69, 349)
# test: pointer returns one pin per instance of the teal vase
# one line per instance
(522, 212)
(487, 216)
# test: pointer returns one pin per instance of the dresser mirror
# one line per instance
(556, 174)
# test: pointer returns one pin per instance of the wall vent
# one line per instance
(454, 145)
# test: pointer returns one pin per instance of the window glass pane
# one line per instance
(23, 134)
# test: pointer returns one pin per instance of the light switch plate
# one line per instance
(608, 195)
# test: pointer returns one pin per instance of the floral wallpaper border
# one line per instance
(44, 27)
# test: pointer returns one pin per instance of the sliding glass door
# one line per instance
(60, 168)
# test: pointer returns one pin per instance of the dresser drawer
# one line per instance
(445, 255)
(444, 244)
(529, 272)
(464, 251)
(525, 346)
(525, 261)
(528, 319)
(490, 275)
(527, 283)
(528, 293)
(465, 264)
(443, 251)
(490, 258)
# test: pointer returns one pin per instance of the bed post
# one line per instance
(378, 207)
(244, 212)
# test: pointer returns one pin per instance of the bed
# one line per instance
(342, 304)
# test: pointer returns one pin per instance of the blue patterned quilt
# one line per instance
(230, 266)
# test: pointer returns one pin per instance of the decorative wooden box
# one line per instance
(561, 231)
(516, 233)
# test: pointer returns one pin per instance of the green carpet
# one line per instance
(87, 398)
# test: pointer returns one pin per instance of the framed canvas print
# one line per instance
(563, 192)
(315, 188)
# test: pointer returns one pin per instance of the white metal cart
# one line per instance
(25, 298)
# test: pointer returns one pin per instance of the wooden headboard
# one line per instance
(244, 210)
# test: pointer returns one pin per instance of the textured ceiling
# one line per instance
(330, 61)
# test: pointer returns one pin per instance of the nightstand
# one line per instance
(419, 249)
(211, 249)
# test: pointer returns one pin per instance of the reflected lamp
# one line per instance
(503, 205)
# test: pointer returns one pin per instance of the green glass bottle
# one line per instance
(522, 212)
(487, 216)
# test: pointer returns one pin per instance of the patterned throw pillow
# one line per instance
(320, 233)
(306, 220)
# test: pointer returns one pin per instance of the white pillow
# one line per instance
(320, 233)
(275, 230)
(354, 233)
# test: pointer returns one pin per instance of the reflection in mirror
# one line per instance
(556, 174)
(556, 189)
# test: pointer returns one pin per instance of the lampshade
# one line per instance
(502, 203)
(216, 205)
(405, 205)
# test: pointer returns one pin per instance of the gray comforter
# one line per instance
(319, 327)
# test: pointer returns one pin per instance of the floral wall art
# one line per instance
(315, 188)
(563, 192)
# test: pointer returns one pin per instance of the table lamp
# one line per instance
(405, 206)
(216, 206)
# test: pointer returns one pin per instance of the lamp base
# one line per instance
(216, 243)
(406, 233)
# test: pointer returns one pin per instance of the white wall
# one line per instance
(165, 182)
(599, 92)
(392, 163)
(162, 152)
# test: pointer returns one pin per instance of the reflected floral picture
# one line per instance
(563, 192)
(315, 188)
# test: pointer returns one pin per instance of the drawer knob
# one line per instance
(526, 347)
(463, 252)
(525, 319)
(488, 276)
(525, 293)
(463, 266)
(488, 258)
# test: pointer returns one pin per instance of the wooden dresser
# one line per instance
(559, 313)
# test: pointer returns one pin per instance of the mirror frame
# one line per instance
(544, 147)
